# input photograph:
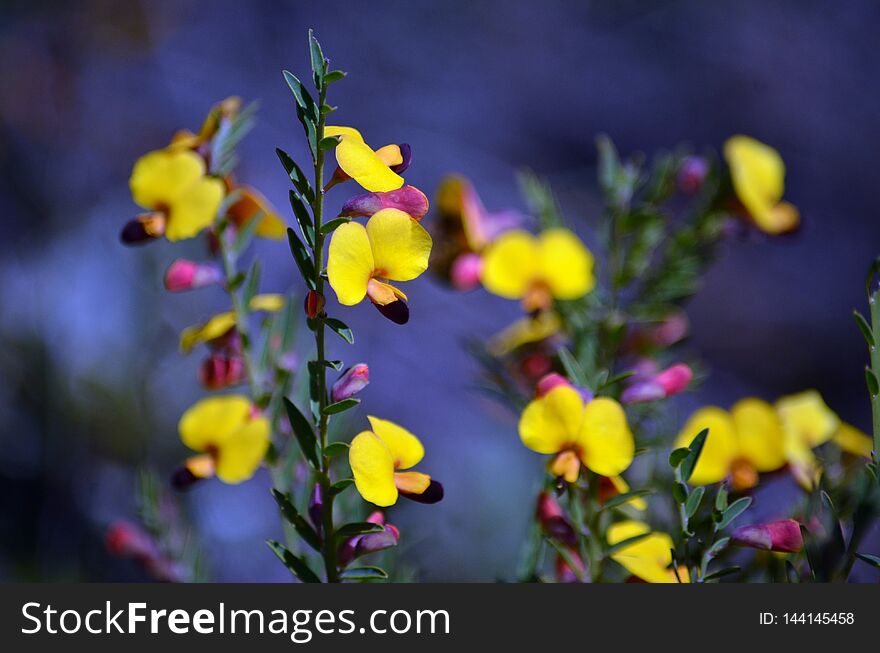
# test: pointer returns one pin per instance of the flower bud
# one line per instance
(360, 545)
(408, 199)
(783, 536)
(220, 371)
(550, 381)
(352, 381)
(675, 379)
(671, 381)
(692, 174)
(143, 229)
(316, 509)
(552, 520)
(189, 275)
(465, 271)
(564, 573)
(314, 304)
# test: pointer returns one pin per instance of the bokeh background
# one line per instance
(91, 383)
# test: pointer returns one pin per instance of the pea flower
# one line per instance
(252, 205)
(653, 387)
(552, 520)
(188, 275)
(392, 246)
(807, 422)
(853, 441)
(352, 381)
(758, 175)
(180, 198)
(464, 228)
(222, 370)
(648, 558)
(537, 270)
(220, 114)
(747, 440)
(376, 458)
(360, 162)
(230, 435)
(594, 434)
(783, 536)
(222, 324)
(361, 545)
(408, 199)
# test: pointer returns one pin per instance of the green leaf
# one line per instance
(290, 513)
(303, 218)
(695, 449)
(677, 456)
(717, 547)
(871, 380)
(339, 328)
(319, 64)
(733, 511)
(572, 367)
(341, 406)
(296, 565)
(621, 499)
(609, 163)
(335, 365)
(617, 378)
(297, 176)
(721, 499)
(864, 327)
(304, 433)
(869, 277)
(363, 574)
(329, 226)
(336, 449)
(679, 493)
(303, 100)
(301, 256)
(253, 284)
(357, 528)
(693, 501)
(625, 543)
(341, 486)
(872, 560)
(328, 143)
(715, 575)
(334, 76)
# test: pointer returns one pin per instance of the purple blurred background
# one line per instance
(91, 383)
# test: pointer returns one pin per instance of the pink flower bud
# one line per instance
(783, 536)
(552, 520)
(675, 379)
(313, 304)
(408, 199)
(189, 275)
(642, 391)
(465, 271)
(671, 330)
(352, 381)
(220, 371)
(550, 381)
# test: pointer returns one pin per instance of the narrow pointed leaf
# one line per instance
(358, 528)
(864, 328)
(303, 218)
(339, 328)
(341, 406)
(331, 225)
(336, 449)
(627, 542)
(301, 256)
(690, 462)
(304, 433)
(733, 511)
(363, 574)
(290, 513)
(621, 499)
(297, 566)
(297, 176)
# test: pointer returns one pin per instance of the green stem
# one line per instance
(875, 368)
(329, 544)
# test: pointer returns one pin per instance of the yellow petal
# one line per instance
(648, 558)
(195, 209)
(401, 246)
(240, 455)
(211, 422)
(759, 434)
(607, 444)
(853, 441)
(405, 448)
(806, 417)
(553, 421)
(412, 482)
(350, 263)
(373, 469)
(271, 303)
(758, 175)
(566, 265)
(159, 177)
(802, 462)
(252, 205)
(720, 449)
(217, 326)
(524, 331)
(511, 264)
(361, 163)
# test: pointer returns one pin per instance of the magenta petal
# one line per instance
(408, 199)
(642, 391)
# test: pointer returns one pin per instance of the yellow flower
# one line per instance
(595, 434)
(555, 264)
(222, 323)
(231, 439)
(173, 184)
(376, 458)
(534, 328)
(740, 444)
(360, 162)
(853, 441)
(807, 422)
(758, 176)
(648, 558)
(392, 246)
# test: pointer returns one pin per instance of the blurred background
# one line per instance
(91, 382)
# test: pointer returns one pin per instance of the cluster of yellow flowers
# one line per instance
(756, 437)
